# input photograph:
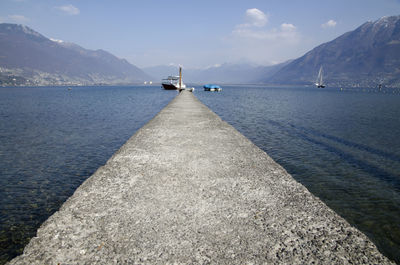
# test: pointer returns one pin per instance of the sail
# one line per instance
(320, 81)
(320, 76)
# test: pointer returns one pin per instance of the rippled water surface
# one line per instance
(52, 139)
(344, 146)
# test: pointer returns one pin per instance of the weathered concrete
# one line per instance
(188, 188)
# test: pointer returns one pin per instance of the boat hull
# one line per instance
(169, 87)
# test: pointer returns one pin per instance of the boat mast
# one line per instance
(180, 77)
(320, 75)
(318, 82)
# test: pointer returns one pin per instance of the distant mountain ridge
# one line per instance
(29, 58)
(225, 73)
(367, 56)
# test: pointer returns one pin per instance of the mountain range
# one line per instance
(367, 56)
(29, 58)
(225, 74)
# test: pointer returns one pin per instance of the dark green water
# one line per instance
(342, 145)
(52, 139)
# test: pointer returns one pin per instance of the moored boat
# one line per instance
(174, 82)
(212, 87)
(320, 83)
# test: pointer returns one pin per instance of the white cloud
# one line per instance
(287, 27)
(285, 32)
(255, 17)
(330, 24)
(257, 42)
(18, 18)
(69, 9)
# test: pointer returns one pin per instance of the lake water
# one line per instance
(342, 145)
(52, 139)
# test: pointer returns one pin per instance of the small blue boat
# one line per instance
(212, 87)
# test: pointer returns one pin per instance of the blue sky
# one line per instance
(195, 33)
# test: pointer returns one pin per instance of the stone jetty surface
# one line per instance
(188, 188)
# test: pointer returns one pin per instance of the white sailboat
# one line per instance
(319, 83)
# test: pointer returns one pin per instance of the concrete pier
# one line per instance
(188, 188)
